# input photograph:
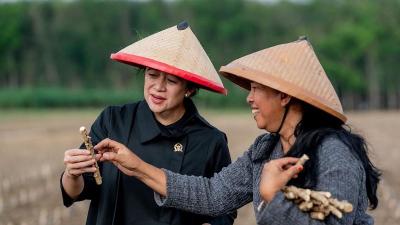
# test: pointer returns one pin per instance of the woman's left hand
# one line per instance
(119, 155)
(276, 173)
(131, 165)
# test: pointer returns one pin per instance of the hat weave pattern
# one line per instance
(174, 51)
(291, 68)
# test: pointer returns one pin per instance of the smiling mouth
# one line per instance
(157, 99)
(255, 111)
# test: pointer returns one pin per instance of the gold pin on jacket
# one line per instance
(178, 147)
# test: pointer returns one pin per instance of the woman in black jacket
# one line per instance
(165, 129)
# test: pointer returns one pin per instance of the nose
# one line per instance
(250, 97)
(161, 82)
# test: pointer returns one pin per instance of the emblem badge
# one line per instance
(178, 147)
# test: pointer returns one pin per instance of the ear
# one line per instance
(189, 92)
(285, 99)
(191, 88)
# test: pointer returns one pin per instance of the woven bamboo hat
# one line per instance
(291, 68)
(176, 51)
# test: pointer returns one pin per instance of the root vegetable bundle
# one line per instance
(319, 204)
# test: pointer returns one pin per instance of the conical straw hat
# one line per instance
(291, 68)
(177, 51)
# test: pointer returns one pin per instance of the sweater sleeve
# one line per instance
(224, 192)
(339, 173)
(218, 160)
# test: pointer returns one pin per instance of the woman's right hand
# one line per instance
(131, 165)
(77, 162)
(276, 173)
(119, 155)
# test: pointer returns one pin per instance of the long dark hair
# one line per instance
(313, 128)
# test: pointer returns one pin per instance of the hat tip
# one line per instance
(182, 25)
(303, 38)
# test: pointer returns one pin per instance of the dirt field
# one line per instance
(32, 146)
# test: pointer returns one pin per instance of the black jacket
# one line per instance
(204, 152)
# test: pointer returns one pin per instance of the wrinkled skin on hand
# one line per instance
(276, 174)
(119, 155)
(77, 162)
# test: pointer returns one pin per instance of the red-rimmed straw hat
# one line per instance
(176, 51)
(291, 68)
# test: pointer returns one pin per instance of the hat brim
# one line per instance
(243, 76)
(140, 61)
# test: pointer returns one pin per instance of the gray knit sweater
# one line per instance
(339, 172)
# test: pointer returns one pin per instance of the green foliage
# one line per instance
(61, 98)
(65, 45)
(57, 97)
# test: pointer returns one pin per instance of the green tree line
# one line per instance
(56, 53)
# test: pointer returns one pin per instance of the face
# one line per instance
(164, 93)
(266, 106)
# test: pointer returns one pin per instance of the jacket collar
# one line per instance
(147, 123)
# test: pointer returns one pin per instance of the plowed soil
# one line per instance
(32, 144)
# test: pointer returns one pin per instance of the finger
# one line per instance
(81, 164)
(78, 172)
(292, 171)
(75, 159)
(109, 156)
(106, 145)
(73, 152)
(98, 156)
(282, 162)
(287, 166)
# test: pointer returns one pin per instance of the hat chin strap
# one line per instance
(274, 136)
(276, 133)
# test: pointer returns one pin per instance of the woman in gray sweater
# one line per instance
(291, 97)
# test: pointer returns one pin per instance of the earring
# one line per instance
(187, 95)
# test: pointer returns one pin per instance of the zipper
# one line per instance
(116, 197)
